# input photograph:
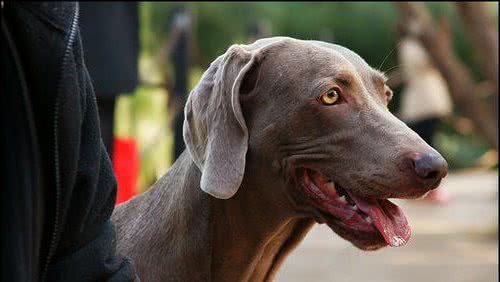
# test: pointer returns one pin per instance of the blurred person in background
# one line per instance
(110, 36)
(57, 183)
(425, 99)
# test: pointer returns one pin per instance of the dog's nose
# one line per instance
(429, 167)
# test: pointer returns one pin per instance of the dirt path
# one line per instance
(453, 243)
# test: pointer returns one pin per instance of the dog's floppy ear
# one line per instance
(214, 130)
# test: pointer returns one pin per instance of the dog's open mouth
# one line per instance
(367, 223)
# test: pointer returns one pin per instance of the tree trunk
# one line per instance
(459, 80)
(484, 39)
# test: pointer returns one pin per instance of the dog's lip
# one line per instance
(366, 218)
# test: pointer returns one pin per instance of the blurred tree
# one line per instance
(368, 28)
(484, 38)
(459, 79)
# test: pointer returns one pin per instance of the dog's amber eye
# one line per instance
(330, 97)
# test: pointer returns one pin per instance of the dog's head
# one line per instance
(306, 122)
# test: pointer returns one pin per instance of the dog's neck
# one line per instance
(252, 236)
(184, 234)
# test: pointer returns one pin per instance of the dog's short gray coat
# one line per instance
(251, 121)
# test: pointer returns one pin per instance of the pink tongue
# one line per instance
(388, 218)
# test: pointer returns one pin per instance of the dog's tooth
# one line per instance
(368, 219)
(355, 208)
(343, 200)
(331, 186)
(397, 241)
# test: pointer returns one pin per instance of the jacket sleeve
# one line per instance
(86, 248)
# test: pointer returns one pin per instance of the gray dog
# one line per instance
(280, 134)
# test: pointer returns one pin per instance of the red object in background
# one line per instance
(126, 166)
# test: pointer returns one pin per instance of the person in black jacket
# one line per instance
(57, 183)
(110, 36)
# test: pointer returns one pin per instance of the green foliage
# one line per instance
(365, 27)
(368, 28)
(143, 116)
(460, 151)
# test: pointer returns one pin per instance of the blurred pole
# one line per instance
(257, 29)
(326, 35)
(181, 24)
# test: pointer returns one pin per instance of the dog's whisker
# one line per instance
(392, 68)
(387, 56)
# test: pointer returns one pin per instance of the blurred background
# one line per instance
(454, 46)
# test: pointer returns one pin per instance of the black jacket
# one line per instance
(110, 36)
(57, 183)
